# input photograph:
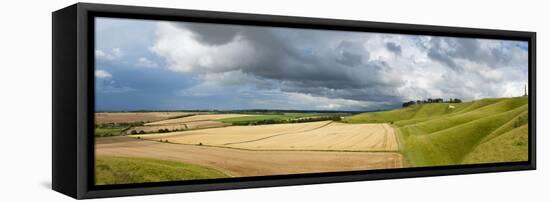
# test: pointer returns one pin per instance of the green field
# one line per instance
(109, 131)
(123, 170)
(482, 131)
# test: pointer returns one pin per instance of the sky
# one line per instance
(160, 65)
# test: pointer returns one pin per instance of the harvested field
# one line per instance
(314, 136)
(234, 134)
(334, 136)
(131, 117)
(240, 163)
(178, 126)
(201, 117)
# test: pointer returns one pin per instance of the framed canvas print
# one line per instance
(155, 100)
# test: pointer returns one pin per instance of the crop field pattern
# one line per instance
(211, 141)
(195, 145)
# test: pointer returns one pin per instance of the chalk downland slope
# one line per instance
(470, 132)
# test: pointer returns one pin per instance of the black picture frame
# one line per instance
(73, 100)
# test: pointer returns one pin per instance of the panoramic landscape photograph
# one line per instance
(179, 101)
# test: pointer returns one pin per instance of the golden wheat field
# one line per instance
(314, 136)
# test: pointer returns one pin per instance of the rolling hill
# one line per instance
(126, 170)
(481, 131)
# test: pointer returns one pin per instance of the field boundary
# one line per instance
(268, 150)
(400, 146)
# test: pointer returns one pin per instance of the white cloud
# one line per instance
(105, 83)
(102, 74)
(110, 55)
(144, 62)
(495, 70)
(185, 53)
(113, 89)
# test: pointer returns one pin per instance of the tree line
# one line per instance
(296, 120)
(431, 100)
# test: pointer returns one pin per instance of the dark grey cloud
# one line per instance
(350, 53)
(393, 47)
(337, 65)
(442, 57)
(447, 50)
(342, 71)
(212, 34)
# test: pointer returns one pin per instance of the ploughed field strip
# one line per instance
(313, 136)
(178, 126)
(203, 117)
(129, 117)
(189, 122)
(239, 162)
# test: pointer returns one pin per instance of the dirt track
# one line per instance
(239, 162)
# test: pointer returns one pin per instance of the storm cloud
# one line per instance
(358, 71)
(362, 67)
(339, 70)
(393, 47)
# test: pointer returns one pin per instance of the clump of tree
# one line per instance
(135, 132)
(409, 103)
(453, 100)
(431, 100)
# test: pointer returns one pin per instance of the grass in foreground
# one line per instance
(508, 147)
(124, 170)
(482, 131)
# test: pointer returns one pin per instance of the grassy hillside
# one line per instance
(122, 170)
(488, 130)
